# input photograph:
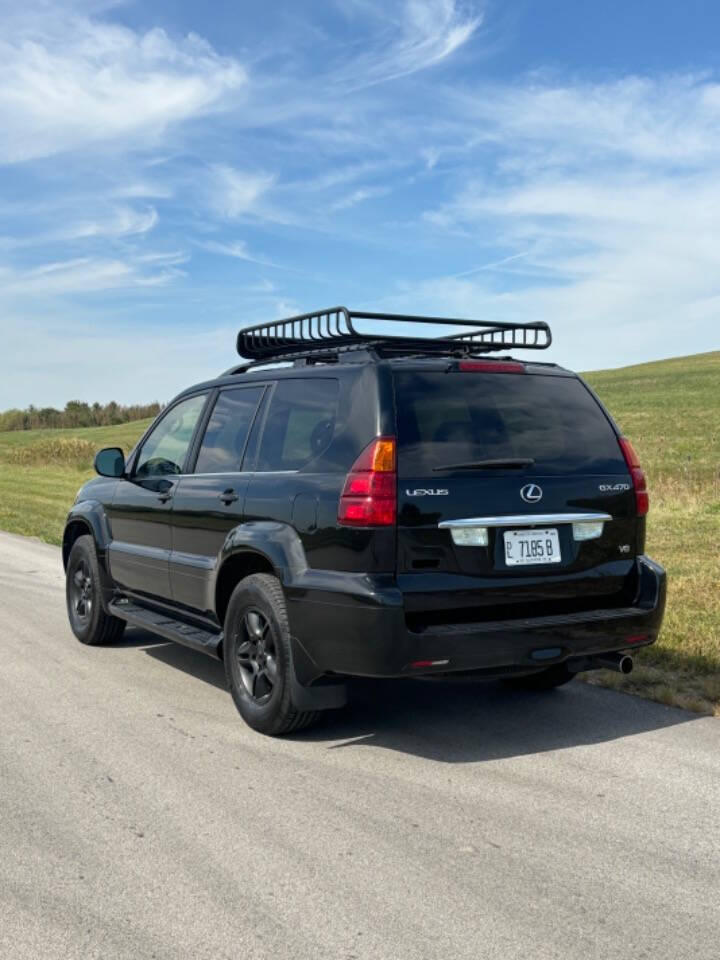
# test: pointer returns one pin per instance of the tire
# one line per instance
(257, 657)
(88, 620)
(547, 679)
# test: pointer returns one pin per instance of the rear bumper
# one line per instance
(355, 625)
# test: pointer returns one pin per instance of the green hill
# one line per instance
(122, 435)
(670, 409)
(41, 471)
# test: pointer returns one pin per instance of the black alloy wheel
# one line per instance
(82, 592)
(89, 620)
(256, 656)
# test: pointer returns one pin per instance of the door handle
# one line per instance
(228, 496)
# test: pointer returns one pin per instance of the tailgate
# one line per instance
(522, 452)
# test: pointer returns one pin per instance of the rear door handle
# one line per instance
(228, 496)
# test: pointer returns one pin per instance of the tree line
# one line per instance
(76, 413)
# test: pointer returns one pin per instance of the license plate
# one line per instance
(531, 546)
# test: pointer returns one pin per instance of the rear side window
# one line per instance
(451, 418)
(227, 431)
(300, 423)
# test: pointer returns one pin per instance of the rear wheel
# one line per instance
(88, 620)
(258, 659)
(554, 676)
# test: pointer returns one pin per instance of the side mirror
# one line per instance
(110, 462)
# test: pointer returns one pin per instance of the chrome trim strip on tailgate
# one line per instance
(525, 520)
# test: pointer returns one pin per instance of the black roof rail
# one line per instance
(328, 331)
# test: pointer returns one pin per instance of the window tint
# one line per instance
(446, 418)
(222, 447)
(300, 423)
(165, 449)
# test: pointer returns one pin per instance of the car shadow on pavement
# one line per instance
(454, 721)
(468, 722)
(133, 637)
(198, 665)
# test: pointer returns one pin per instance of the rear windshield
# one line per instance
(452, 418)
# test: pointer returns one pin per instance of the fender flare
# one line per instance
(279, 544)
(91, 515)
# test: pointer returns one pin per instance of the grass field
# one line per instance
(671, 412)
(669, 409)
(41, 471)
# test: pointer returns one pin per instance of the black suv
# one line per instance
(348, 503)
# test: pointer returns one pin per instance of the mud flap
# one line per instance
(307, 694)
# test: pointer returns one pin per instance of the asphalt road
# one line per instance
(140, 818)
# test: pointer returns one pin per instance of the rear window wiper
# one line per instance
(508, 463)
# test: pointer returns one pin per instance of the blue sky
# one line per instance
(170, 172)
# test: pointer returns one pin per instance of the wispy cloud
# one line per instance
(86, 275)
(144, 189)
(169, 258)
(547, 194)
(606, 201)
(359, 196)
(121, 222)
(73, 81)
(111, 223)
(413, 36)
(233, 193)
(239, 250)
(649, 119)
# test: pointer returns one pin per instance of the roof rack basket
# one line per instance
(333, 330)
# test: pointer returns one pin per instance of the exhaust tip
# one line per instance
(620, 662)
(626, 665)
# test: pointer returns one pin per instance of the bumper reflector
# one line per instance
(547, 653)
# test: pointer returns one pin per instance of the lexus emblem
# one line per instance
(531, 493)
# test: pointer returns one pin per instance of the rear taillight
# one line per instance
(642, 497)
(490, 366)
(369, 497)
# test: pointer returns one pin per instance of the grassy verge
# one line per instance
(670, 410)
(683, 667)
(123, 435)
(42, 470)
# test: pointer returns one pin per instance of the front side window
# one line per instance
(226, 434)
(164, 451)
(300, 423)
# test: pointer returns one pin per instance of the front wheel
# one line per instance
(257, 657)
(547, 679)
(88, 620)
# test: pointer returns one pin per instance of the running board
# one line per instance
(167, 627)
